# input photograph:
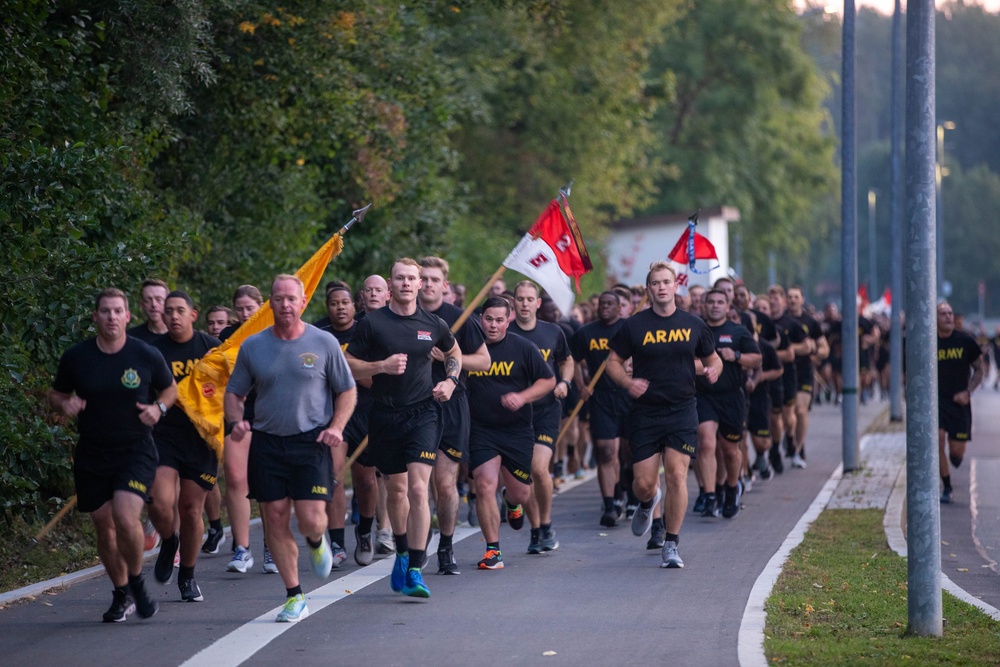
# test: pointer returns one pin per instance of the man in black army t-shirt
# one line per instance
(118, 387)
(799, 345)
(185, 458)
(501, 441)
(664, 344)
(960, 371)
(392, 345)
(722, 405)
(152, 295)
(454, 432)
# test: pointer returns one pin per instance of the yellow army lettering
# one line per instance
(661, 336)
(343, 347)
(181, 368)
(598, 343)
(320, 490)
(208, 478)
(138, 486)
(520, 474)
(950, 353)
(546, 353)
(496, 368)
(545, 438)
(428, 455)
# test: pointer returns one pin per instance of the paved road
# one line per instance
(601, 598)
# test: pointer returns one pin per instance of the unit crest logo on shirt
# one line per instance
(308, 359)
(423, 335)
(130, 379)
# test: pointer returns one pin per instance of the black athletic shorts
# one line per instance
(292, 466)
(727, 410)
(865, 359)
(609, 414)
(354, 434)
(191, 457)
(955, 420)
(98, 472)
(453, 438)
(653, 428)
(790, 385)
(776, 388)
(758, 416)
(515, 447)
(572, 398)
(403, 436)
(584, 413)
(545, 422)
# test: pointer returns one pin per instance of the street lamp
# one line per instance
(940, 171)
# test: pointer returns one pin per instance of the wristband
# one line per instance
(453, 379)
(736, 354)
(566, 382)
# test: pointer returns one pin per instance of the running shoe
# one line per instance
(150, 537)
(398, 577)
(946, 496)
(121, 607)
(515, 514)
(321, 558)
(269, 566)
(630, 510)
(164, 568)
(699, 503)
(656, 536)
(472, 517)
(712, 509)
(190, 591)
(145, 606)
(798, 462)
(619, 506)
(549, 541)
(579, 474)
(177, 559)
(774, 455)
(747, 482)
(213, 541)
(339, 555)
(763, 467)
(535, 543)
(610, 518)
(731, 506)
(295, 610)
(492, 560)
(414, 585)
(364, 552)
(446, 561)
(242, 560)
(671, 558)
(384, 544)
(642, 520)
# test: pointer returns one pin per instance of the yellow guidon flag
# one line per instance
(201, 393)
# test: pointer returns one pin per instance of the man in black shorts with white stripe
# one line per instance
(960, 372)
(668, 347)
(393, 347)
(502, 438)
(118, 388)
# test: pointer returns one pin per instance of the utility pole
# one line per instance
(849, 250)
(898, 300)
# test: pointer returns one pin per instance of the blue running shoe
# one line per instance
(294, 610)
(398, 578)
(321, 558)
(415, 586)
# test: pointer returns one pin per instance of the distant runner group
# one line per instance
(483, 410)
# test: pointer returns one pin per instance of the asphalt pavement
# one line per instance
(600, 599)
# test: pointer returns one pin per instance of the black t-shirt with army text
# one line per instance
(181, 358)
(383, 333)
(956, 354)
(804, 364)
(516, 365)
(737, 337)
(591, 345)
(551, 342)
(663, 350)
(112, 384)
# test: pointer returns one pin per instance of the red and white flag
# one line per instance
(693, 258)
(551, 252)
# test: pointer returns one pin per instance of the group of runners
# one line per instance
(435, 403)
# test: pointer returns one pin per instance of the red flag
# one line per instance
(863, 297)
(703, 249)
(554, 236)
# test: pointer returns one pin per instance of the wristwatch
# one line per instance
(736, 355)
(162, 407)
(453, 378)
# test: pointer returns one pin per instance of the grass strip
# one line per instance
(841, 599)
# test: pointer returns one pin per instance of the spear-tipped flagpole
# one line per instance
(356, 216)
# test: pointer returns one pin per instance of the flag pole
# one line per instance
(590, 386)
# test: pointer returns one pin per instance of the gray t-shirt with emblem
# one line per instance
(296, 380)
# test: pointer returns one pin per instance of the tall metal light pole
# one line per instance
(873, 284)
(923, 509)
(849, 250)
(898, 300)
